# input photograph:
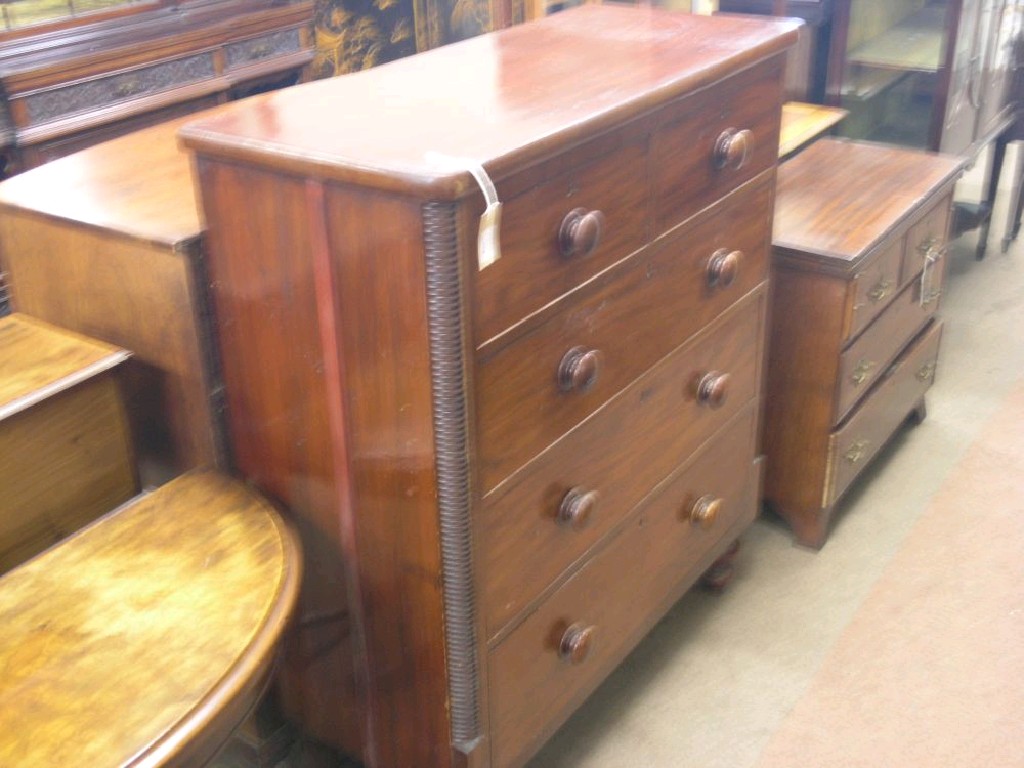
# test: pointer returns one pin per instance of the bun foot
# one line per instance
(719, 574)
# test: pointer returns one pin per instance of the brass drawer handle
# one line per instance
(579, 369)
(712, 389)
(580, 232)
(929, 244)
(733, 148)
(259, 51)
(723, 266)
(927, 372)
(857, 451)
(577, 507)
(929, 293)
(862, 371)
(576, 643)
(705, 511)
(882, 289)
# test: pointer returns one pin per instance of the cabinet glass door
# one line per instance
(892, 69)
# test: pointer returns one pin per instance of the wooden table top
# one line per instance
(38, 360)
(130, 642)
(802, 123)
(139, 185)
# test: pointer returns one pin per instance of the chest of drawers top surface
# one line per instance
(503, 100)
(838, 199)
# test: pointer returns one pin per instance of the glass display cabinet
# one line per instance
(923, 73)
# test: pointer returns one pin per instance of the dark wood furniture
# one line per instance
(108, 242)
(64, 437)
(146, 638)
(481, 447)
(858, 266)
(68, 88)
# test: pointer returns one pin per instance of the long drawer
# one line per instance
(540, 386)
(564, 649)
(553, 511)
(867, 358)
(852, 446)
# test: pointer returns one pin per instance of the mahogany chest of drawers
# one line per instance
(506, 464)
(858, 266)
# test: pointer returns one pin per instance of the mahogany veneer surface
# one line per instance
(430, 415)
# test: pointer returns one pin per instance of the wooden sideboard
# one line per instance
(67, 89)
(480, 447)
(858, 267)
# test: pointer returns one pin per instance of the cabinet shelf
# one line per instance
(915, 44)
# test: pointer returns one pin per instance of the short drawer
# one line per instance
(869, 356)
(44, 106)
(565, 648)
(536, 388)
(852, 447)
(715, 140)
(256, 49)
(562, 231)
(875, 286)
(926, 239)
(549, 514)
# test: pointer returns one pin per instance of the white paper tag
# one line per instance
(488, 241)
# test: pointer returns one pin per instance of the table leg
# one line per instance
(1016, 203)
(994, 170)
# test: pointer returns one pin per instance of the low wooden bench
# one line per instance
(147, 637)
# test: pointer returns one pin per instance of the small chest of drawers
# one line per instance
(858, 267)
(516, 464)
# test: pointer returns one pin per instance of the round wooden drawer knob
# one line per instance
(723, 266)
(580, 232)
(712, 389)
(579, 369)
(733, 148)
(577, 507)
(576, 643)
(705, 510)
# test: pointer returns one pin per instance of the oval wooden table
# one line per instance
(146, 638)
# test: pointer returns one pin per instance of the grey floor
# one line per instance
(717, 676)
